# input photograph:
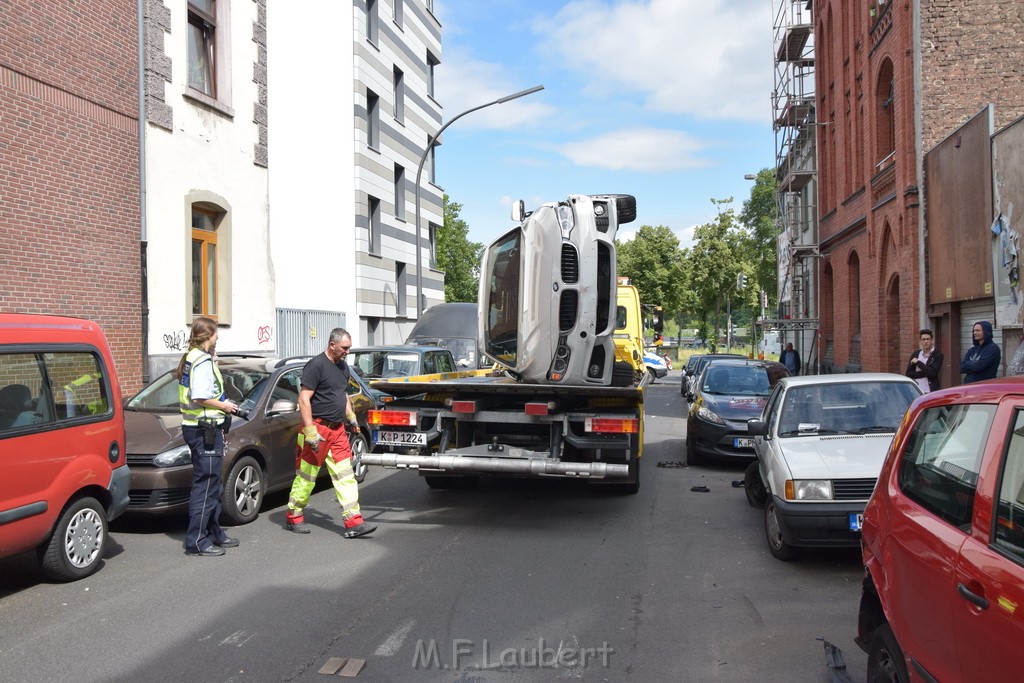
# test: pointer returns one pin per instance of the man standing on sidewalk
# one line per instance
(325, 409)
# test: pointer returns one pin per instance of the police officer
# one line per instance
(204, 412)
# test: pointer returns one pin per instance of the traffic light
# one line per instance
(741, 281)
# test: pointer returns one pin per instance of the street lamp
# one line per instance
(419, 171)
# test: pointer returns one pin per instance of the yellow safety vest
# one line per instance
(190, 410)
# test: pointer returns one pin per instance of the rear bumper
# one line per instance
(825, 525)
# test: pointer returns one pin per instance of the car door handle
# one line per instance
(971, 596)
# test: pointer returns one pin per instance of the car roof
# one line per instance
(847, 378)
(989, 391)
(756, 362)
(397, 347)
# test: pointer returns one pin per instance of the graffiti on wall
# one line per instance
(265, 334)
(176, 340)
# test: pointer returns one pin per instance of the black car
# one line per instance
(695, 365)
(730, 392)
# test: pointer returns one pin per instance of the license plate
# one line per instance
(382, 438)
(741, 442)
(856, 521)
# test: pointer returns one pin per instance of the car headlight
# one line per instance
(809, 489)
(174, 457)
(704, 413)
(566, 220)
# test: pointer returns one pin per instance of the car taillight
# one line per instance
(612, 425)
(399, 418)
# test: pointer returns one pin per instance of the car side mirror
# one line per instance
(281, 406)
(519, 211)
(757, 427)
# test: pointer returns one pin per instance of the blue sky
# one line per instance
(668, 100)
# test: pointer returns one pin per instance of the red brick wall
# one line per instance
(69, 181)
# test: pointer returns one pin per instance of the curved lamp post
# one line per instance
(419, 171)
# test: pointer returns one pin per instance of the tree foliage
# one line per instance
(758, 216)
(457, 257)
(654, 264)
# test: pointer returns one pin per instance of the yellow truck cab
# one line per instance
(629, 330)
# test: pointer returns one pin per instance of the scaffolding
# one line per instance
(796, 168)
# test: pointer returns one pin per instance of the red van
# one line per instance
(62, 442)
(943, 541)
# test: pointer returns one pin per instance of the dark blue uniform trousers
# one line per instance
(204, 501)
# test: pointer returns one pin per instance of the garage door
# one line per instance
(970, 313)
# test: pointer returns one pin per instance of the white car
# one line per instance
(820, 444)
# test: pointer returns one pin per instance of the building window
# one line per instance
(433, 244)
(372, 21)
(202, 46)
(204, 261)
(374, 226)
(372, 120)
(399, 82)
(399, 192)
(372, 325)
(432, 61)
(885, 121)
(399, 11)
(401, 287)
(431, 176)
(854, 294)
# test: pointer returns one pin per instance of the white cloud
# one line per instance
(464, 82)
(636, 149)
(708, 58)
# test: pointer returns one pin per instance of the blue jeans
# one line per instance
(204, 501)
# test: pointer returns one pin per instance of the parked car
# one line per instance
(62, 443)
(820, 442)
(698, 366)
(943, 540)
(452, 326)
(730, 392)
(655, 364)
(385, 362)
(259, 451)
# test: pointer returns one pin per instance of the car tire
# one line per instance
(773, 533)
(622, 374)
(625, 208)
(653, 374)
(358, 444)
(75, 549)
(442, 481)
(244, 488)
(886, 662)
(692, 456)
(753, 486)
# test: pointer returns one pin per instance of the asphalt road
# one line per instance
(514, 580)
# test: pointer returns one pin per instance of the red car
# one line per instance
(943, 541)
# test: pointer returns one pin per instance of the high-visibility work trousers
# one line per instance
(335, 451)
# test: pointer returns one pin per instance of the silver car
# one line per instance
(820, 444)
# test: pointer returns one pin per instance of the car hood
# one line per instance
(152, 433)
(842, 456)
(735, 408)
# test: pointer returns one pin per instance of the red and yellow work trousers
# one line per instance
(335, 451)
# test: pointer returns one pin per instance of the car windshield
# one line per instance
(851, 408)
(378, 364)
(161, 396)
(739, 380)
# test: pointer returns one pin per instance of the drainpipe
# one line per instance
(922, 228)
(143, 237)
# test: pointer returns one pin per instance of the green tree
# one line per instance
(758, 216)
(654, 264)
(457, 257)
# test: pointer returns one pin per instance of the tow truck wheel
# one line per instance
(441, 481)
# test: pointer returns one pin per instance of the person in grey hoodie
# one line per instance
(982, 361)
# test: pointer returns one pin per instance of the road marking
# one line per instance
(394, 642)
(238, 638)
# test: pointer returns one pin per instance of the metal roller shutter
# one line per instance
(970, 313)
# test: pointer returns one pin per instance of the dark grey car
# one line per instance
(259, 451)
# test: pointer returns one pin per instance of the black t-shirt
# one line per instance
(329, 382)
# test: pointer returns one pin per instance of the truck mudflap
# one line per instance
(515, 466)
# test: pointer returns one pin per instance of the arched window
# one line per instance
(854, 265)
(885, 112)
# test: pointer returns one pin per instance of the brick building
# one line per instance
(69, 168)
(893, 80)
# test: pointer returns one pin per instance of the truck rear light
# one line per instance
(399, 418)
(612, 425)
(539, 408)
(463, 406)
